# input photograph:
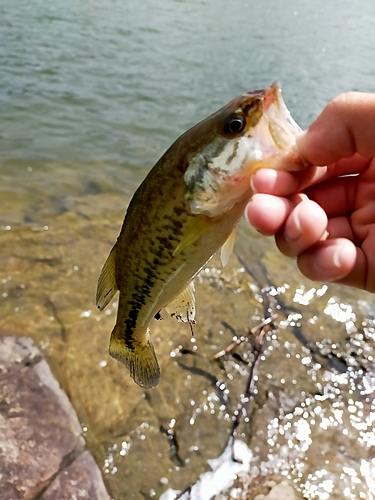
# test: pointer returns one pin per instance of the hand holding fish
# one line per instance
(325, 216)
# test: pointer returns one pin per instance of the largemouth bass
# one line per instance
(186, 209)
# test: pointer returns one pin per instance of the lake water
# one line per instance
(103, 87)
(91, 94)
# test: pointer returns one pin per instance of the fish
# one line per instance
(185, 210)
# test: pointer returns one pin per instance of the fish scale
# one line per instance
(187, 208)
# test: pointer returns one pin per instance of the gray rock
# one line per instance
(41, 443)
(82, 477)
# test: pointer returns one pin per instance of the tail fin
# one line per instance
(140, 359)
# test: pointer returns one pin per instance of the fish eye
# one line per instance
(234, 124)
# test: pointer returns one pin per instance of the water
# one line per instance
(91, 94)
(105, 85)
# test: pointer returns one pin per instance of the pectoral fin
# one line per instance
(193, 230)
(227, 248)
(182, 308)
(107, 285)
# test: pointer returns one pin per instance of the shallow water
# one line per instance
(91, 94)
(313, 413)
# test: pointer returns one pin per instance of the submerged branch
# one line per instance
(259, 333)
(243, 338)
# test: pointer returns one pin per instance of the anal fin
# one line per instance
(182, 307)
(107, 285)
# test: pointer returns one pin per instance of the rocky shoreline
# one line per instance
(42, 450)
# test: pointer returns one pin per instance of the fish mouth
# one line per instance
(276, 121)
(272, 95)
(281, 125)
(269, 96)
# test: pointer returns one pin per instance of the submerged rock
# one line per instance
(42, 451)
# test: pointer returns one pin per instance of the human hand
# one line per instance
(325, 216)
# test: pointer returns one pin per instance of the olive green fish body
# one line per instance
(148, 272)
(183, 212)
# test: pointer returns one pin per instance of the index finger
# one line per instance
(284, 183)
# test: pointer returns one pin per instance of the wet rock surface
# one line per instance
(82, 479)
(42, 451)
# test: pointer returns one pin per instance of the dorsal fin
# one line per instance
(107, 285)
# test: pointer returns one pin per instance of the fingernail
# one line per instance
(252, 184)
(246, 216)
(295, 231)
(331, 260)
(336, 257)
(325, 236)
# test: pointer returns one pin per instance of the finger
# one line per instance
(345, 127)
(275, 182)
(337, 260)
(305, 226)
(367, 249)
(284, 183)
(340, 227)
(267, 213)
(286, 179)
(348, 195)
(336, 197)
(345, 166)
